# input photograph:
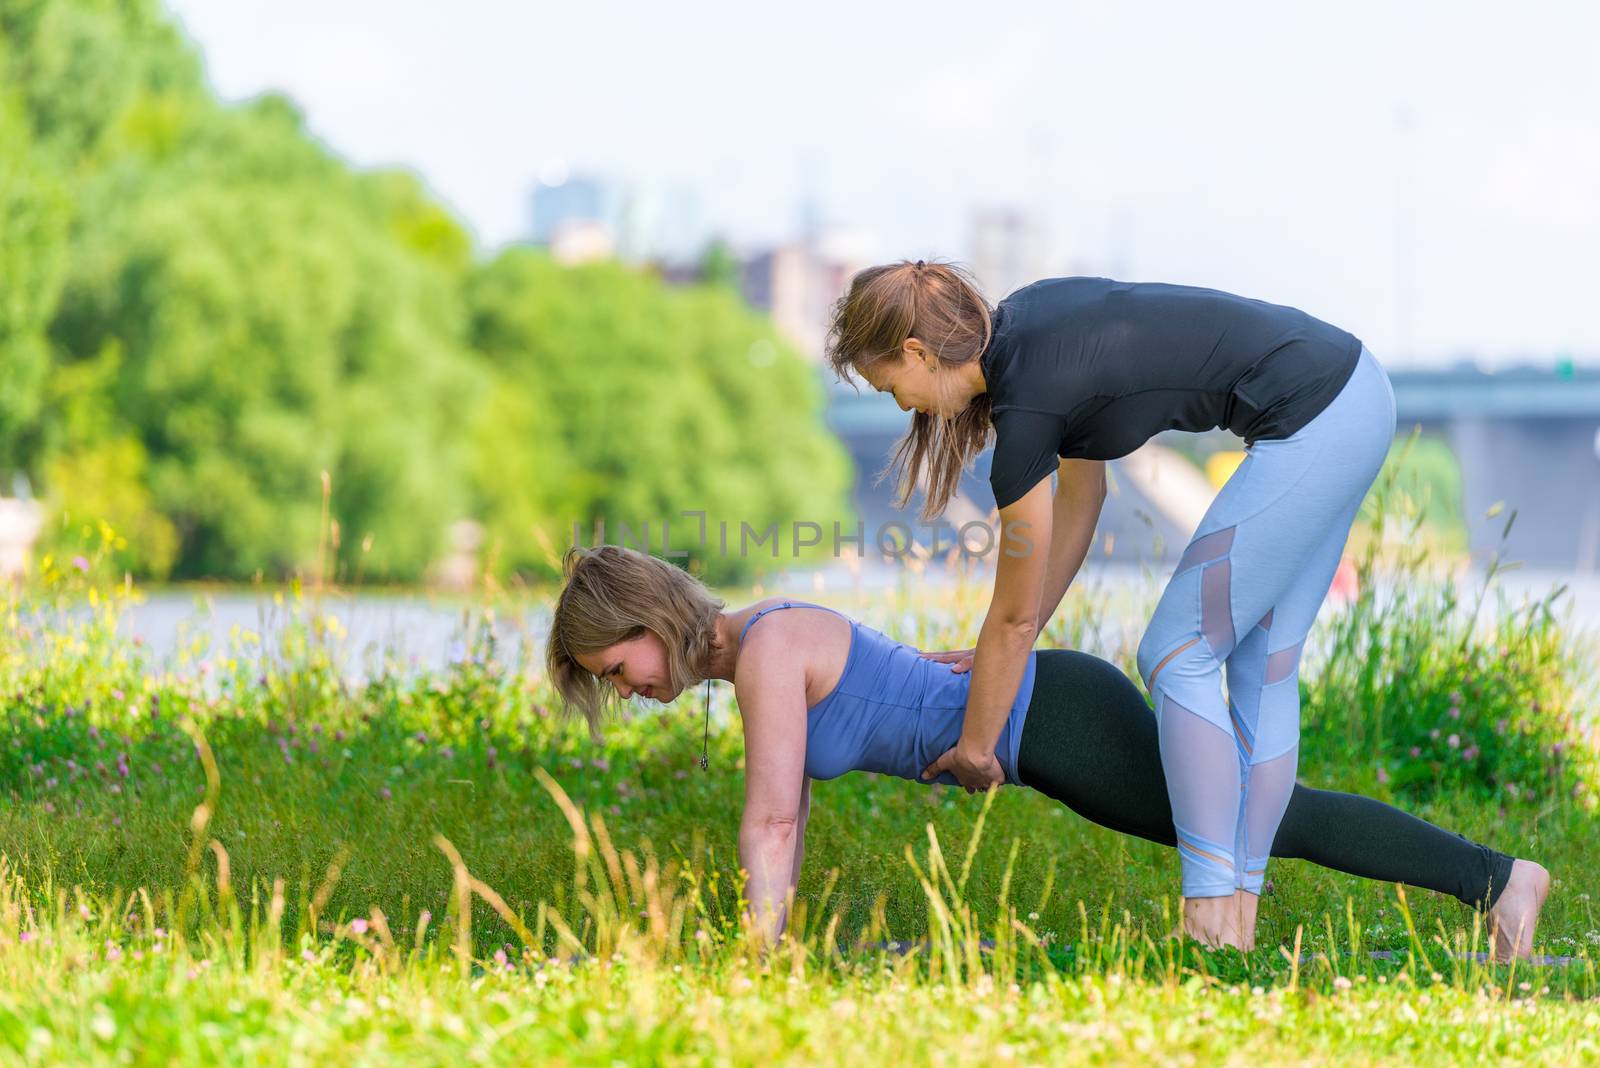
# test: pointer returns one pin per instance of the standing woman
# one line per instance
(1071, 372)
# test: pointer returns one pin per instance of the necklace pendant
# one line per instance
(703, 762)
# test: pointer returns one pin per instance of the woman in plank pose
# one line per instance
(820, 695)
(1068, 373)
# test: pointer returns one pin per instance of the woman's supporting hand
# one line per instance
(959, 659)
(974, 770)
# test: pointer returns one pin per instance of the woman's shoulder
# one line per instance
(776, 620)
(1040, 307)
(1058, 287)
(797, 646)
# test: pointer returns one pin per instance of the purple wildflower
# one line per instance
(81, 563)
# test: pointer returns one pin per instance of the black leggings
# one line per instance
(1090, 742)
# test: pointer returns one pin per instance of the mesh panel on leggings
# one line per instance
(1205, 549)
(1283, 663)
(1216, 607)
(1203, 784)
(1266, 797)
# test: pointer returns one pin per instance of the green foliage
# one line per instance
(1427, 473)
(104, 482)
(663, 400)
(33, 220)
(271, 327)
(283, 886)
(719, 266)
(202, 309)
(1449, 701)
(79, 65)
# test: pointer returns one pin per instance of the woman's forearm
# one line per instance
(997, 668)
(800, 839)
(1068, 549)
(768, 853)
(1076, 513)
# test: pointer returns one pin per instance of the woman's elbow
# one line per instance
(1014, 630)
(771, 828)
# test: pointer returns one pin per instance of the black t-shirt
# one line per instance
(1093, 368)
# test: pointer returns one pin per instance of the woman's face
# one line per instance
(636, 666)
(916, 380)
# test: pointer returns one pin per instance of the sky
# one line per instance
(1425, 175)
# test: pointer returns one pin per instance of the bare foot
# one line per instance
(1516, 911)
(1246, 902)
(1220, 921)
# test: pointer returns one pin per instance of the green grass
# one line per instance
(439, 868)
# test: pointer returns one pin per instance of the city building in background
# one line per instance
(583, 217)
(1010, 248)
(797, 282)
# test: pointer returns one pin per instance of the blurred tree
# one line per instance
(100, 473)
(202, 308)
(273, 324)
(33, 260)
(79, 65)
(719, 266)
(663, 400)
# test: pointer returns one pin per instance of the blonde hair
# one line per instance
(940, 305)
(613, 594)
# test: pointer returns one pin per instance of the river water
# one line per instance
(420, 631)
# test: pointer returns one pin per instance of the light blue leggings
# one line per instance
(1244, 594)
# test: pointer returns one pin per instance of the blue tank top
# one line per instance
(894, 711)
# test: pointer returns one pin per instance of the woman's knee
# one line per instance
(1193, 658)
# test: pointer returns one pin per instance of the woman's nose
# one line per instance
(624, 690)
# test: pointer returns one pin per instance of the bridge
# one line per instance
(1526, 438)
